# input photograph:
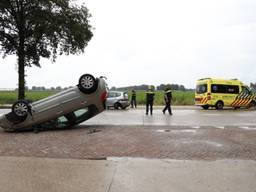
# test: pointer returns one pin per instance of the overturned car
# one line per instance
(62, 110)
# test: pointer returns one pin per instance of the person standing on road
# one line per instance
(133, 100)
(150, 100)
(168, 100)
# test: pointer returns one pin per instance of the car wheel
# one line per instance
(87, 83)
(116, 105)
(219, 105)
(20, 108)
(205, 107)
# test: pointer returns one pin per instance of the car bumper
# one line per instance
(124, 103)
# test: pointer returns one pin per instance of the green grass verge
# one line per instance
(9, 97)
(179, 97)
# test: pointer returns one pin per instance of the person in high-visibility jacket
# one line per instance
(133, 100)
(150, 100)
(168, 100)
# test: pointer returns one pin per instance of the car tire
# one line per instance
(20, 108)
(205, 107)
(219, 105)
(116, 105)
(87, 84)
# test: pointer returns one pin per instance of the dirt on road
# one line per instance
(100, 142)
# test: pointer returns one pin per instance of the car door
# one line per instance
(111, 99)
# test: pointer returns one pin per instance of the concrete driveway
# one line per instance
(125, 175)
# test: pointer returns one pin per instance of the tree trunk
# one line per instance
(21, 64)
(21, 51)
(21, 71)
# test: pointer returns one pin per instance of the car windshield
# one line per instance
(126, 95)
(202, 88)
(71, 118)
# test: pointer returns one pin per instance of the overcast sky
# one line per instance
(156, 41)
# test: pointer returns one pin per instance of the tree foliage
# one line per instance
(145, 87)
(32, 29)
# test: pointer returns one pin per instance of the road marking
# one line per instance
(184, 131)
(196, 127)
(176, 131)
(161, 130)
(212, 143)
(248, 128)
(220, 127)
(245, 115)
(213, 114)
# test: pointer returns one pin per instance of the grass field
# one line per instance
(9, 97)
(179, 97)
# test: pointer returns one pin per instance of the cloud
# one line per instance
(159, 41)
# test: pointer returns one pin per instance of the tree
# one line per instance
(32, 29)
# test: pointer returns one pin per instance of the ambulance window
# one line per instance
(216, 88)
(201, 88)
(233, 89)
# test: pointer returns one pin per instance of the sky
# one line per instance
(153, 42)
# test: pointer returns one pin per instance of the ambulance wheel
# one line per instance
(205, 106)
(219, 105)
(252, 104)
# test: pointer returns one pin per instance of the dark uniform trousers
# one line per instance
(133, 102)
(149, 102)
(149, 105)
(168, 98)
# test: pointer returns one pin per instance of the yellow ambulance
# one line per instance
(219, 93)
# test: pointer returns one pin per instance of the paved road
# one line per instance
(189, 134)
(182, 116)
(216, 152)
(190, 116)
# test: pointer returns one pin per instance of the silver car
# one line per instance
(64, 109)
(117, 99)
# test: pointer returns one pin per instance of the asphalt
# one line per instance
(126, 174)
(190, 116)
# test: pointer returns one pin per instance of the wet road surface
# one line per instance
(210, 151)
(190, 116)
(188, 134)
(182, 116)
